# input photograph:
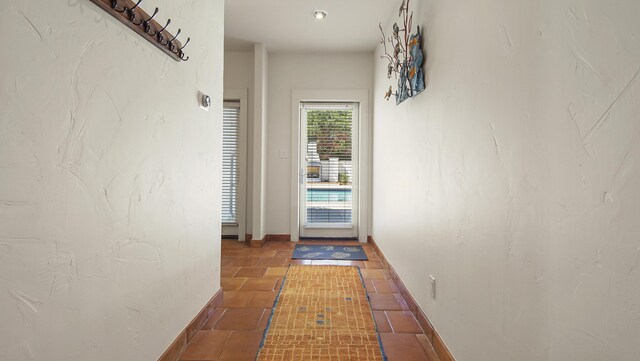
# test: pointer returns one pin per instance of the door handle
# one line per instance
(301, 175)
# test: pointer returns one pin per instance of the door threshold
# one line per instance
(329, 239)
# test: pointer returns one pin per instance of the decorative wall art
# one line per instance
(406, 59)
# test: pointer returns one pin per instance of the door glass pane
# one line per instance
(328, 178)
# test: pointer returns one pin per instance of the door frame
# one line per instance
(360, 96)
(325, 230)
(240, 95)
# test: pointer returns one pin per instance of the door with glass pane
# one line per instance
(329, 170)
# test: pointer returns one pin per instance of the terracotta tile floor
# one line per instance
(251, 278)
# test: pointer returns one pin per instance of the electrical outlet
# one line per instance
(284, 154)
(433, 286)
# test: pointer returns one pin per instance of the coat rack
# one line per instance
(130, 14)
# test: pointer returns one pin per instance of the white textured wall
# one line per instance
(109, 180)
(304, 71)
(514, 178)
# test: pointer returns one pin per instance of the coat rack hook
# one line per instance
(170, 42)
(179, 51)
(159, 32)
(136, 5)
(114, 6)
(185, 44)
(147, 23)
(133, 15)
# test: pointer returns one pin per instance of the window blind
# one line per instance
(230, 176)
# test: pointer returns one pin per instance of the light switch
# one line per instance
(433, 286)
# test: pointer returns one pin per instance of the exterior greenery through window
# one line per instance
(331, 129)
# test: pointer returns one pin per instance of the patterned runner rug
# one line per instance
(322, 313)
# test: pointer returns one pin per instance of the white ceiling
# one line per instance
(288, 25)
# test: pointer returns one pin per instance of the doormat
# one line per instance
(349, 253)
(322, 313)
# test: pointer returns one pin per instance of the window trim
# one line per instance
(239, 95)
(234, 210)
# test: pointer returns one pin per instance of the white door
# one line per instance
(329, 170)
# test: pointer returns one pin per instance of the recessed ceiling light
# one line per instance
(319, 14)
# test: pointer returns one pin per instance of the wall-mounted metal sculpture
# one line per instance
(129, 13)
(407, 58)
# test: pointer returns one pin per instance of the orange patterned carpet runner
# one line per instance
(322, 314)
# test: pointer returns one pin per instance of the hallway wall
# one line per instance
(514, 179)
(109, 180)
(260, 140)
(288, 71)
